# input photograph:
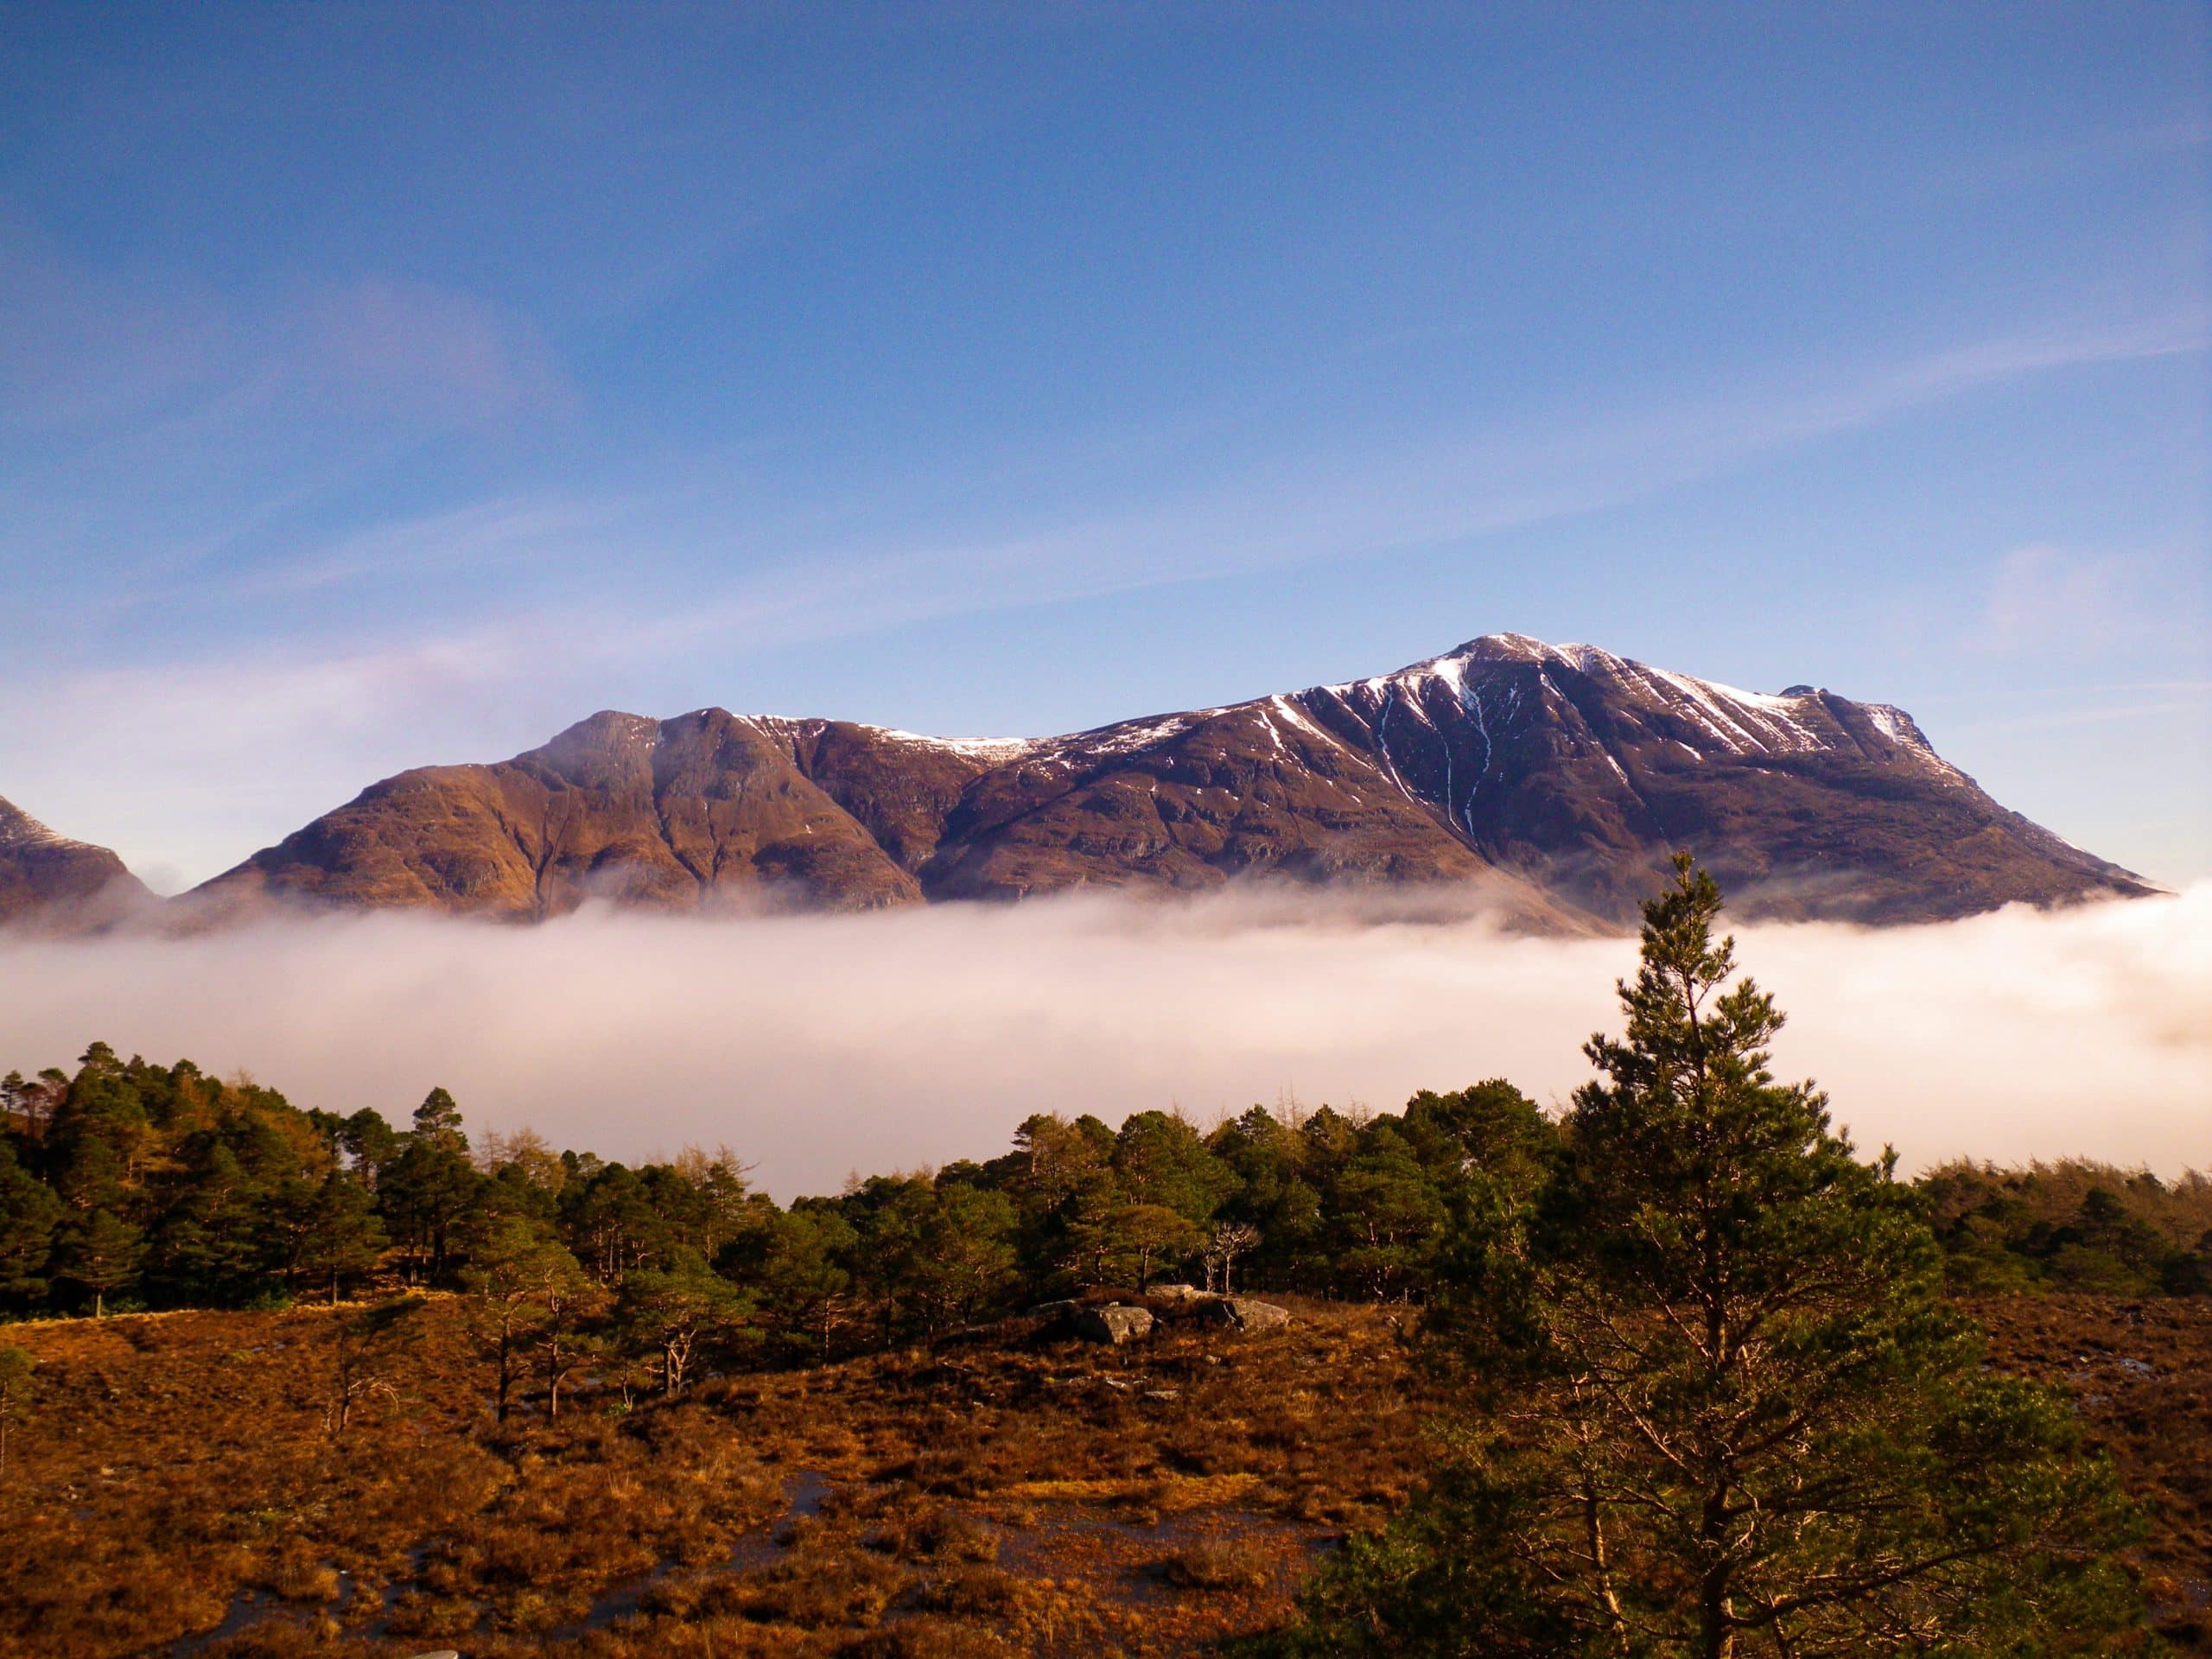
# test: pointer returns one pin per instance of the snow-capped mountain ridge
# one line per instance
(1560, 778)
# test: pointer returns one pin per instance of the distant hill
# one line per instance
(49, 881)
(1559, 775)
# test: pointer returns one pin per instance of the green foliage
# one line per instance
(30, 1213)
(437, 1123)
(424, 1193)
(2071, 1225)
(1134, 1236)
(341, 1236)
(1389, 1212)
(679, 1312)
(1717, 1400)
(1159, 1160)
(799, 1260)
(522, 1286)
(127, 1184)
(100, 1255)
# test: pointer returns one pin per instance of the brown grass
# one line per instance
(2141, 1372)
(1015, 1495)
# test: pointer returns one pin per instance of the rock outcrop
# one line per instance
(1240, 1313)
(1115, 1322)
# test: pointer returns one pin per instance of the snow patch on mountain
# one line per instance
(997, 750)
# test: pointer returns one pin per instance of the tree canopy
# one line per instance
(1716, 1400)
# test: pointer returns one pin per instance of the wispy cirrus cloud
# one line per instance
(1296, 509)
(2042, 598)
(367, 681)
(95, 349)
(421, 350)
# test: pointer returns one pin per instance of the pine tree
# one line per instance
(29, 1216)
(1159, 1160)
(340, 1235)
(437, 1120)
(1384, 1213)
(101, 1254)
(519, 1280)
(367, 1348)
(568, 1335)
(1719, 1401)
(962, 1255)
(671, 1313)
(208, 1248)
(797, 1258)
(424, 1192)
(369, 1143)
(1138, 1237)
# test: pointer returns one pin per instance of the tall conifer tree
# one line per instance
(1719, 1406)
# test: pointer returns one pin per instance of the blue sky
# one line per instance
(388, 386)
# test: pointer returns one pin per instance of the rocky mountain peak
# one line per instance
(19, 829)
(1558, 776)
(49, 881)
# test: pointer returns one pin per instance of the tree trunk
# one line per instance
(1716, 1627)
(672, 1364)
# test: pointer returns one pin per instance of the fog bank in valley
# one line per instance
(817, 1045)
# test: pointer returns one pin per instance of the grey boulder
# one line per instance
(1112, 1323)
(1240, 1313)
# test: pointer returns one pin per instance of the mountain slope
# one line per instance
(51, 882)
(661, 814)
(1560, 776)
(1188, 802)
(1583, 769)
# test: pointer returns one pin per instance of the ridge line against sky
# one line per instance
(1015, 372)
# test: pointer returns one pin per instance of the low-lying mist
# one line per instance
(817, 1045)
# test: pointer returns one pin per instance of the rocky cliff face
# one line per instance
(1561, 776)
(52, 883)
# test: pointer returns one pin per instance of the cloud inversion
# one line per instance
(819, 1046)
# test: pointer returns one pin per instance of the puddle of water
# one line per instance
(808, 1488)
(388, 1597)
(252, 1608)
(247, 1609)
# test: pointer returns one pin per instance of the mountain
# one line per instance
(52, 883)
(663, 814)
(1560, 776)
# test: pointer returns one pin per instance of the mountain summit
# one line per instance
(52, 882)
(1560, 775)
